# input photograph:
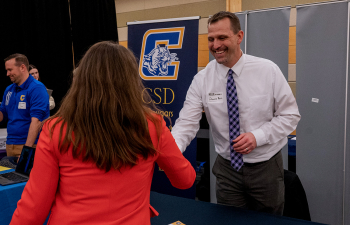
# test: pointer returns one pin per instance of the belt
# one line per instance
(258, 163)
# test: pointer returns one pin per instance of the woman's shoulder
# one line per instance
(154, 118)
(53, 124)
(155, 126)
(52, 120)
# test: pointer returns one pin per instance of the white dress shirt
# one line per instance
(267, 107)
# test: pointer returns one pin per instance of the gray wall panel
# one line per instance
(242, 20)
(321, 74)
(347, 155)
(268, 36)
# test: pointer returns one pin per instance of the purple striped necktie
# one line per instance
(233, 116)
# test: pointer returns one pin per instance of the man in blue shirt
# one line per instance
(25, 105)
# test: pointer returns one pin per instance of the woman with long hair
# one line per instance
(35, 73)
(95, 157)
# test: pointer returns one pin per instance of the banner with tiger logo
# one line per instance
(167, 51)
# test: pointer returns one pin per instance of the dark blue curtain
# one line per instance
(92, 21)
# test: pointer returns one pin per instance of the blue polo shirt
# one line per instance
(20, 104)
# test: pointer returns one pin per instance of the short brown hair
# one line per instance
(103, 114)
(235, 24)
(20, 59)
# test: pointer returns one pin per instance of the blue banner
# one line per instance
(168, 60)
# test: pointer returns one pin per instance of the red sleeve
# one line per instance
(177, 168)
(39, 192)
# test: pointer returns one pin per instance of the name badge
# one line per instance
(22, 105)
(215, 97)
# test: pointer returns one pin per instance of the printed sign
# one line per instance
(168, 60)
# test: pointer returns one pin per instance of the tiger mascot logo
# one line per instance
(157, 61)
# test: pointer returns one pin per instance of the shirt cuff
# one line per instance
(259, 137)
(39, 114)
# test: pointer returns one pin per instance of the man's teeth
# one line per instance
(219, 52)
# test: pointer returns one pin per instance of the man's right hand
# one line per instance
(245, 143)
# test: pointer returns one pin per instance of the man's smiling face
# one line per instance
(14, 72)
(223, 44)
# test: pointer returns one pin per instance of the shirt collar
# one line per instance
(237, 68)
(26, 83)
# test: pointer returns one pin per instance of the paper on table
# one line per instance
(2, 168)
(177, 223)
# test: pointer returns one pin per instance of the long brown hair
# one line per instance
(104, 113)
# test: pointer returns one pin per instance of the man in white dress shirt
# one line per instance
(268, 113)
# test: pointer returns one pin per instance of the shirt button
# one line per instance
(241, 131)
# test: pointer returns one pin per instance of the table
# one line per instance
(171, 209)
(189, 212)
(9, 196)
